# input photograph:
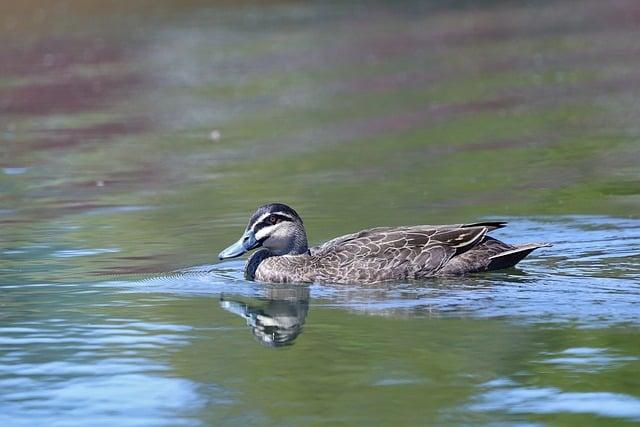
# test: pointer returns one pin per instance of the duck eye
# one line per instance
(273, 219)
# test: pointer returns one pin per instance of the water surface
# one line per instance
(135, 140)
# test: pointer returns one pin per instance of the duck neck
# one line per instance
(298, 245)
(254, 261)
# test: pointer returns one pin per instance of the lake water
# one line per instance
(136, 139)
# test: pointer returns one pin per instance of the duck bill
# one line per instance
(246, 243)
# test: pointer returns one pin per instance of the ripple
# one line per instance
(120, 399)
(125, 334)
(586, 359)
(551, 400)
(107, 366)
(72, 253)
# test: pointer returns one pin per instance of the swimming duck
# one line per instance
(369, 256)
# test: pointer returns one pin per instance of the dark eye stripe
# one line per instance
(265, 222)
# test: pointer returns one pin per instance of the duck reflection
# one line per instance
(275, 320)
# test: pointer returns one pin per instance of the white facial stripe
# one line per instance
(264, 232)
(268, 214)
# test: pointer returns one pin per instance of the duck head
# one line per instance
(275, 227)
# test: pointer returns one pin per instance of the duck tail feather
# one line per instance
(511, 257)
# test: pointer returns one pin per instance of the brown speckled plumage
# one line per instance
(387, 253)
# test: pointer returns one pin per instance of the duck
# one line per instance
(374, 255)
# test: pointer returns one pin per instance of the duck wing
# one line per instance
(378, 231)
(386, 253)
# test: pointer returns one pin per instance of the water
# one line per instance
(137, 139)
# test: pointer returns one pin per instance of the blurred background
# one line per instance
(137, 137)
(151, 129)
